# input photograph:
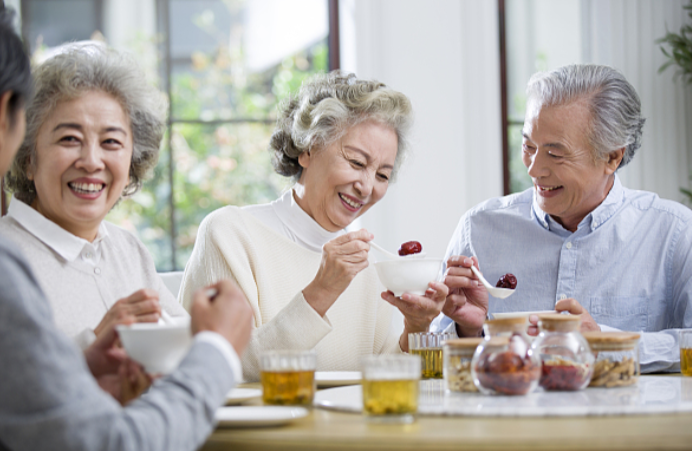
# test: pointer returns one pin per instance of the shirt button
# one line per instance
(563, 296)
(88, 255)
(97, 271)
(568, 245)
(595, 224)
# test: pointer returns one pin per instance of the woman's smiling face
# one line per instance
(343, 180)
(83, 154)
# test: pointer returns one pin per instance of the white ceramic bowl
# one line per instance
(158, 347)
(408, 275)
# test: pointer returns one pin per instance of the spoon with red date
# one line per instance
(496, 292)
(407, 250)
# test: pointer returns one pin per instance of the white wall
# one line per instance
(444, 55)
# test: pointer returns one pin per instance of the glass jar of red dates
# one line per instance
(567, 361)
(617, 358)
(504, 363)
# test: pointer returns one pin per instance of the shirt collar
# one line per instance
(595, 219)
(300, 223)
(65, 244)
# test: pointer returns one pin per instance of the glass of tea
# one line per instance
(686, 352)
(390, 387)
(428, 347)
(288, 377)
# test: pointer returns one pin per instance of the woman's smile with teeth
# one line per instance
(350, 202)
(87, 187)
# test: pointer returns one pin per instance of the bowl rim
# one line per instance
(150, 326)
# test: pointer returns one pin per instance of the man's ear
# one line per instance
(614, 159)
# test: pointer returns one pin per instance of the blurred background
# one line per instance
(225, 65)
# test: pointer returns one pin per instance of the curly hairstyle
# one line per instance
(80, 68)
(326, 107)
(616, 118)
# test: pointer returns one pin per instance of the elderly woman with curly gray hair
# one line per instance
(342, 140)
(93, 133)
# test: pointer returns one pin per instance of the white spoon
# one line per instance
(495, 292)
(392, 256)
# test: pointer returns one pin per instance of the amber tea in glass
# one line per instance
(686, 352)
(428, 347)
(288, 377)
(390, 387)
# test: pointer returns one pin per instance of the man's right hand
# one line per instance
(227, 313)
(467, 302)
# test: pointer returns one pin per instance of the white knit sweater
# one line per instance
(272, 271)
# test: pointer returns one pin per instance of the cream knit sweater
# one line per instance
(272, 271)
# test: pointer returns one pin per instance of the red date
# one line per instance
(507, 281)
(410, 247)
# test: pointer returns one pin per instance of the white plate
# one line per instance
(337, 378)
(258, 416)
(239, 395)
(518, 314)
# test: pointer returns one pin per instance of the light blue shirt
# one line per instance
(629, 263)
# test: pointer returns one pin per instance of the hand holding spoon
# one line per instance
(495, 292)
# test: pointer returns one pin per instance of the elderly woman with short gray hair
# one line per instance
(93, 132)
(342, 140)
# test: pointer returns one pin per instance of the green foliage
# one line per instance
(679, 51)
(224, 162)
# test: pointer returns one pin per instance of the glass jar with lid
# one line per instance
(567, 361)
(504, 363)
(616, 358)
(457, 356)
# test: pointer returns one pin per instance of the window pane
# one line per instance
(519, 179)
(225, 64)
(215, 166)
(147, 214)
(53, 22)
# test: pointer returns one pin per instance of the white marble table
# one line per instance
(652, 395)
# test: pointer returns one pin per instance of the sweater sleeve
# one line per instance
(51, 401)
(220, 253)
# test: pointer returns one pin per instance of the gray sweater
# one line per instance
(50, 401)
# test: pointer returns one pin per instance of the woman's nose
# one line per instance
(364, 184)
(90, 158)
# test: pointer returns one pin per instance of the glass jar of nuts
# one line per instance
(457, 364)
(504, 363)
(567, 361)
(617, 358)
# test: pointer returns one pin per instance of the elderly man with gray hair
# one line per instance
(578, 241)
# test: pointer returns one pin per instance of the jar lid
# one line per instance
(464, 342)
(497, 341)
(559, 322)
(510, 321)
(597, 337)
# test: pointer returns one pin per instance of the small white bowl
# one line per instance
(158, 347)
(408, 275)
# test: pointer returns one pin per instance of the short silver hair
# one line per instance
(616, 119)
(326, 107)
(75, 70)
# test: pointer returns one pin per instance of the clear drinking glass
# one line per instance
(390, 387)
(686, 352)
(428, 346)
(288, 377)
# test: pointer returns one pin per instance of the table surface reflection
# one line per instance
(338, 430)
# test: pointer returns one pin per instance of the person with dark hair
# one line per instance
(51, 399)
(578, 241)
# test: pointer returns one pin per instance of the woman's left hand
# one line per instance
(419, 311)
